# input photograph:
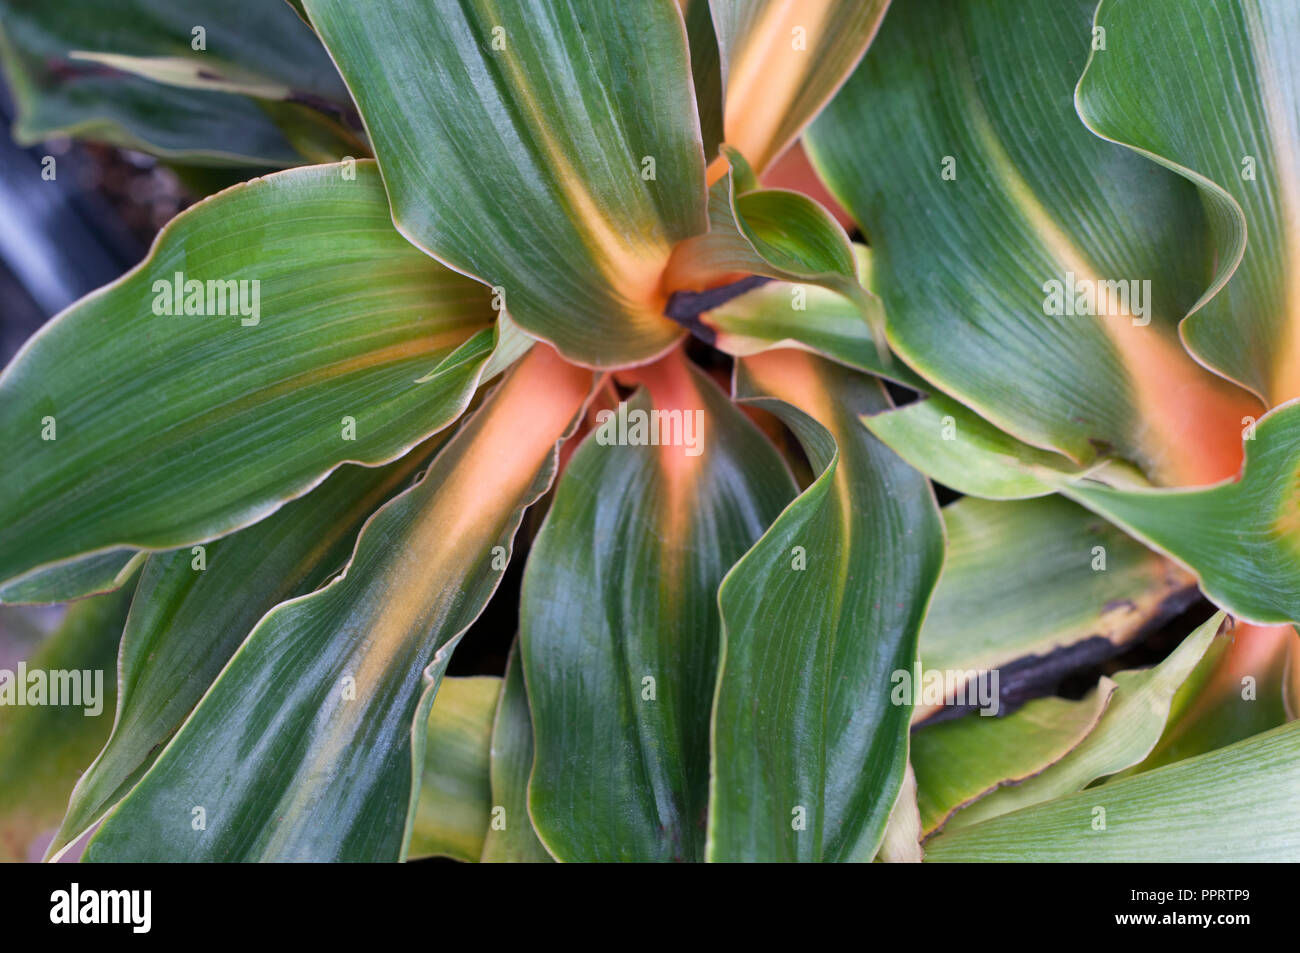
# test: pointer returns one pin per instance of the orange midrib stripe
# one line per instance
(672, 388)
(765, 77)
(486, 469)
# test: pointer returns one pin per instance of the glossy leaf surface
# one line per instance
(997, 219)
(310, 744)
(809, 750)
(551, 150)
(129, 427)
(195, 606)
(619, 616)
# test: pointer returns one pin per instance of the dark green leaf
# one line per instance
(310, 745)
(809, 750)
(551, 150)
(153, 415)
(619, 617)
(195, 607)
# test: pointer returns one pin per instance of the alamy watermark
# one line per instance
(651, 428)
(75, 905)
(214, 297)
(973, 688)
(1127, 297)
(53, 687)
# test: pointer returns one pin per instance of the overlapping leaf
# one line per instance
(551, 150)
(902, 841)
(1212, 91)
(779, 234)
(1127, 731)
(808, 748)
(619, 616)
(128, 427)
(261, 49)
(963, 158)
(1240, 537)
(1038, 587)
(311, 743)
(90, 576)
(807, 316)
(455, 806)
(1241, 692)
(1240, 802)
(513, 839)
(45, 746)
(955, 446)
(706, 71)
(130, 74)
(194, 608)
(958, 762)
(782, 61)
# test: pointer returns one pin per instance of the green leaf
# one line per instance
(957, 447)
(958, 762)
(103, 572)
(1241, 537)
(1126, 733)
(776, 234)
(1240, 801)
(782, 62)
(1241, 692)
(86, 68)
(512, 762)
(264, 44)
(706, 72)
(455, 806)
(194, 609)
(962, 157)
(310, 744)
(807, 316)
(1027, 582)
(1228, 125)
(552, 151)
(188, 72)
(816, 617)
(153, 415)
(43, 748)
(619, 616)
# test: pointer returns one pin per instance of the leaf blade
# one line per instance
(1235, 799)
(831, 741)
(343, 330)
(1127, 731)
(455, 805)
(1244, 324)
(782, 62)
(982, 319)
(620, 673)
(258, 47)
(187, 622)
(283, 741)
(44, 747)
(545, 191)
(512, 762)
